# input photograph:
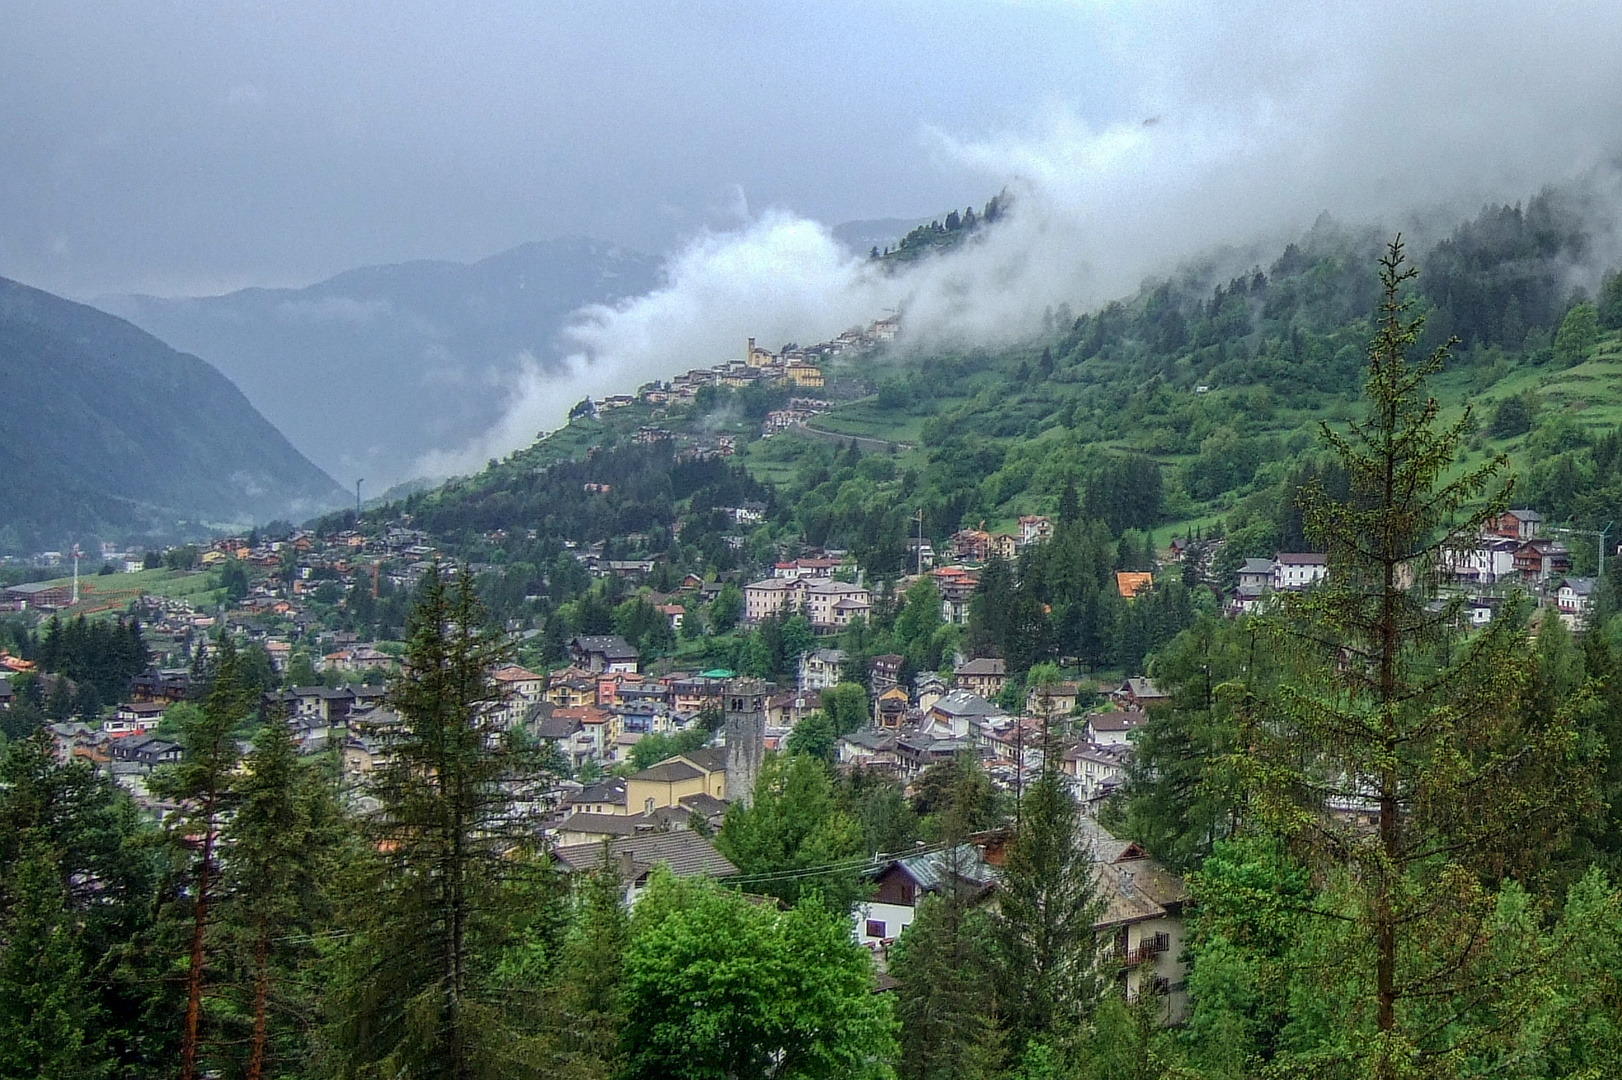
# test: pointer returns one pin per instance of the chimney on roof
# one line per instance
(627, 867)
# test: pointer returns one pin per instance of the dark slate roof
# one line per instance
(601, 824)
(871, 739)
(709, 758)
(557, 727)
(703, 804)
(610, 645)
(985, 665)
(932, 869)
(686, 853)
(1117, 721)
(668, 772)
(963, 703)
(611, 790)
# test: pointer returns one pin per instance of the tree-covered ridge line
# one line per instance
(1218, 385)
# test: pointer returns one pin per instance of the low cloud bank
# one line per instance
(1236, 128)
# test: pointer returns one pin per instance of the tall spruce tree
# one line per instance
(201, 784)
(946, 993)
(1045, 948)
(585, 1026)
(454, 879)
(283, 839)
(1400, 714)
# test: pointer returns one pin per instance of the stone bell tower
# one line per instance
(745, 727)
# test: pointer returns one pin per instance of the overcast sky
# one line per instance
(194, 147)
(185, 147)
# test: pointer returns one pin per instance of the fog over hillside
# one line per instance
(1250, 123)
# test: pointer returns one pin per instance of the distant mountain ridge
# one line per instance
(106, 431)
(373, 367)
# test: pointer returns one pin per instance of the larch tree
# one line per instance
(1044, 945)
(455, 872)
(1404, 761)
(946, 990)
(283, 840)
(201, 784)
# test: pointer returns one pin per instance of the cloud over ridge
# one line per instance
(1232, 127)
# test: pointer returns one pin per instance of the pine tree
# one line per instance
(455, 876)
(946, 993)
(1047, 900)
(1181, 796)
(89, 851)
(283, 839)
(1397, 711)
(587, 985)
(50, 1026)
(201, 785)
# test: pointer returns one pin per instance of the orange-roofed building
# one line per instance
(1129, 582)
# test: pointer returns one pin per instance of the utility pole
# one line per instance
(1600, 535)
(75, 575)
(920, 517)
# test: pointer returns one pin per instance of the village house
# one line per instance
(973, 545)
(786, 710)
(828, 604)
(958, 713)
(684, 853)
(1034, 529)
(1484, 561)
(597, 731)
(819, 669)
(1575, 598)
(1131, 582)
(133, 718)
(1539, 560)
(1142, 923)
(916, 751)
(519, 690)
(147, 751)
(603, 653)
(39, 595)
(1114, 728)
(891, 708)
(1139, 693)
(1299, 569)
(869, 748)
(1096, 771)
(899, 884)
(985, 676)
(956, 586)
(1054, 699)
(1515, 524)
(886, 672)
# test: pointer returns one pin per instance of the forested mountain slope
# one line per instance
(1220, 385)
(106, 431)
(1191, 408)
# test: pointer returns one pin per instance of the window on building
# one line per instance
(875, 928)
(647, 805)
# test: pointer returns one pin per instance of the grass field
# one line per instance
(112, 593)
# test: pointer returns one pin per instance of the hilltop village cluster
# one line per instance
(802, 368)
